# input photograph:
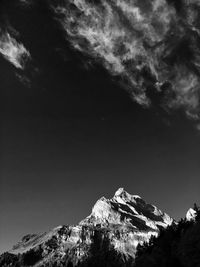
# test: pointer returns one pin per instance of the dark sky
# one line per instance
(74, 135)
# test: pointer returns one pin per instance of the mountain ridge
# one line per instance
(125, 220)
(132, 208)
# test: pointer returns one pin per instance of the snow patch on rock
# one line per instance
(191, 215)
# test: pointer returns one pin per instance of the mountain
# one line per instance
(191, 214)
(127, 210)
(125, 221)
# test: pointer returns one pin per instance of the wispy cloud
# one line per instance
(13, 51)
(149, 44)
(26, 3)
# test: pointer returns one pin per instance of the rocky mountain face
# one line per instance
(124, 220)
(191, 214)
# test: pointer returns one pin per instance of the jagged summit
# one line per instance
(125, 195)
(127, 210)
(120, 192)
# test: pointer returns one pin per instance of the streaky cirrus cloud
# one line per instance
(13, 51)
(26, 3)
(152, 45)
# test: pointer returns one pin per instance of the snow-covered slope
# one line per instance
(125, 219)
(191, 215)
(128, 210)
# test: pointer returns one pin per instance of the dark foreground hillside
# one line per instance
(177, 246)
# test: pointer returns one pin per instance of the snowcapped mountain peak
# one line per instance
(128, 211)
(121, 193)
(191, 215)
